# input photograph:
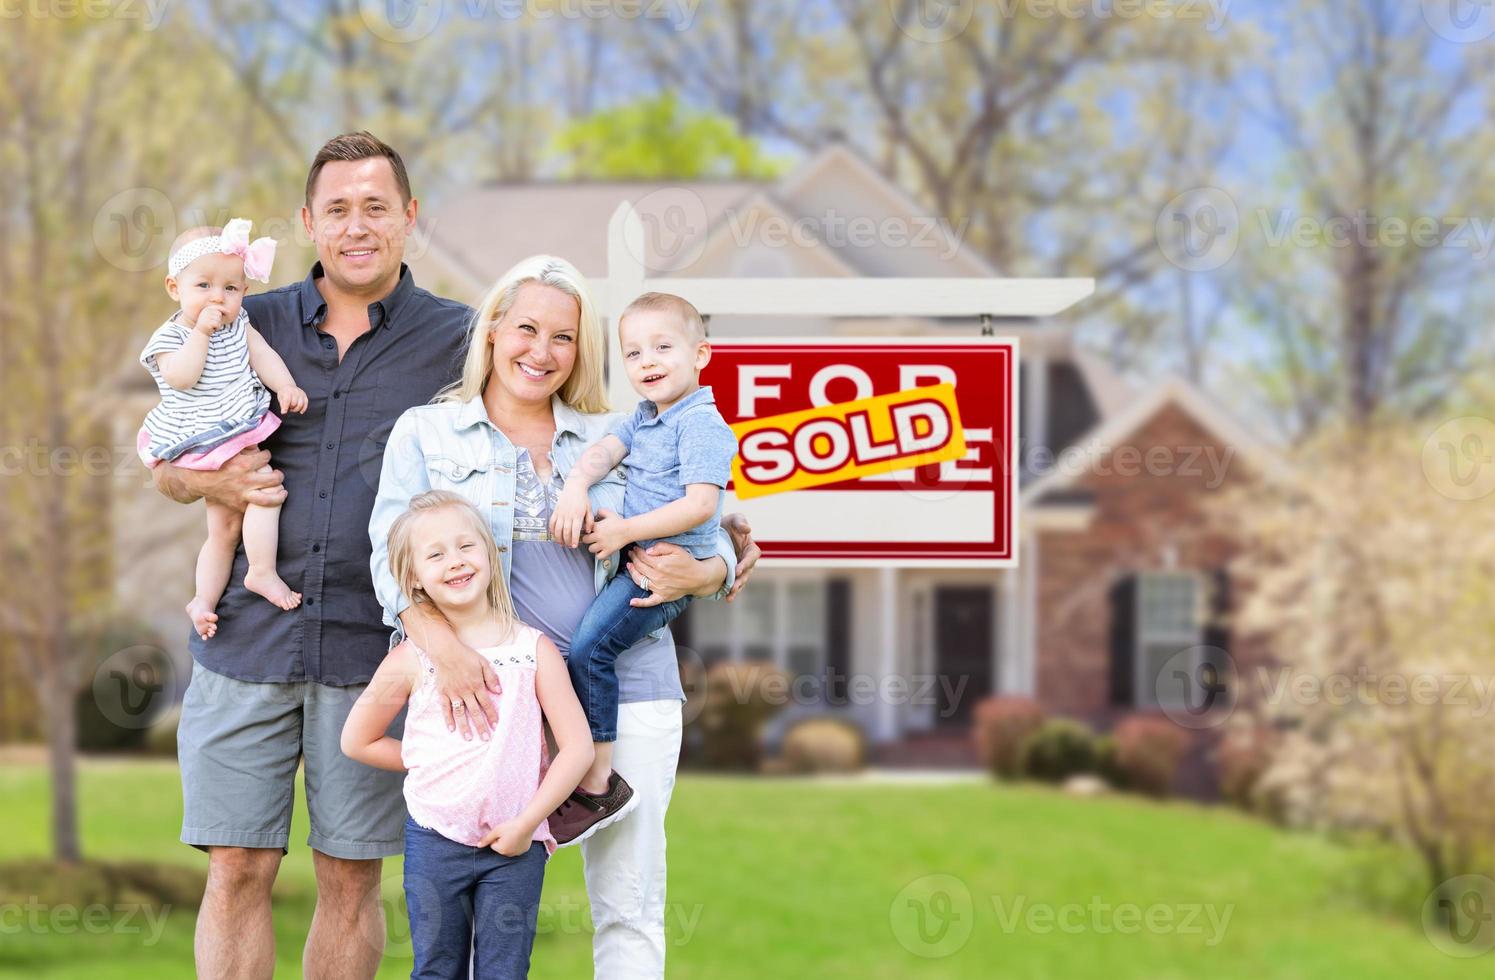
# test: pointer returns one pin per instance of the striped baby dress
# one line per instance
(228, 400)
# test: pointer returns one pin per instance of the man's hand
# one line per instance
(748, 553)
(293, 399)
(236, 484)
(608, 536)
(209, 319)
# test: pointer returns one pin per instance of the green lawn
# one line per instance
(777, 878)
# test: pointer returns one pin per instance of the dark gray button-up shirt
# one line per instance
(331, 457)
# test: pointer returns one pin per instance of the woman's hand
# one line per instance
(669, 572)
(463, 679)
(748, 553)
(510, 838)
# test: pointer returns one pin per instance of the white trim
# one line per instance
(873, 297)
(901, 201)
(1112, 432)
(761, 199)
(1062, 518)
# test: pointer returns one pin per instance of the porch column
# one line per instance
(887, 712)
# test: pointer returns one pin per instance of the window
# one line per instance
(1170, 619)
(784, 620)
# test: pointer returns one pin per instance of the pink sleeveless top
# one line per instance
(462, 789)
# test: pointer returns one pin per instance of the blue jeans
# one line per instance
(470, 905)
(611, 626)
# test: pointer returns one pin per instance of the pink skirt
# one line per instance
(219, 454)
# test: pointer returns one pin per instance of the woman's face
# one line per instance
(534, 343)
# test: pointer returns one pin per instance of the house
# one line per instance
(1118, 574)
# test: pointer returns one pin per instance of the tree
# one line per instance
(658, 138)
(1373, 581)
(1361, 272)
(103, 160)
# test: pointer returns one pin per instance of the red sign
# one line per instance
(873, 450)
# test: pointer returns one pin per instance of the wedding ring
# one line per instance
(644, 583)
(458, 705)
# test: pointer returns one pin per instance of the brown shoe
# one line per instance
(581, 814)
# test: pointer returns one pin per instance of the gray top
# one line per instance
(689, 443)
(552, 586)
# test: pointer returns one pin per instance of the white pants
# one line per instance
(624, 863)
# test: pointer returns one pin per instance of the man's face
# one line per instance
(359, 223)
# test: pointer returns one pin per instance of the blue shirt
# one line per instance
(455, 446)
(689, 443)
(330, 457)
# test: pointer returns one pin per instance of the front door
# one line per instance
(963, 632)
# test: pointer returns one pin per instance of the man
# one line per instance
(272, 688)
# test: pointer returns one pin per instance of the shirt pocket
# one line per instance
(468, 477)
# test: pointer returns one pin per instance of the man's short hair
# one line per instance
(695, 325)
(358, 146)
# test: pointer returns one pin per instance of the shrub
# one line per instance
(1148, 750)
(131, 650)
(160, 738)
(740, 697)
(1241, 760)
(1060, 748)
(1002, 724)
(824, 745)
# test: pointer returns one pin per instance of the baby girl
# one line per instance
(212, 369)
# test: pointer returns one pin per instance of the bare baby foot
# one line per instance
(204, 619)
(269, 585)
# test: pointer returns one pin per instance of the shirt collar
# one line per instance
(381, 312)
(567, 419)
(701, 396)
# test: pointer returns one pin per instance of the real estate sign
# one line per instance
(888, 451)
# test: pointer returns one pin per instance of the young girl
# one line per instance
(477, 839)
(208, 364)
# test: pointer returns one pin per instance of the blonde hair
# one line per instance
(402, 552)
(585, 389)
(690, 317)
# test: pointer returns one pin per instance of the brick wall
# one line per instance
(1148, 512)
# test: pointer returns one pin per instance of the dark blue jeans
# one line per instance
(470, 905)
(611, 626)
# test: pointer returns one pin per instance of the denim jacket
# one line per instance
(455, 446)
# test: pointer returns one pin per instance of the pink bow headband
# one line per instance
(233, 240)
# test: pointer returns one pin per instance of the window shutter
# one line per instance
(1217, 626)
(837, 640)
(1124, 641)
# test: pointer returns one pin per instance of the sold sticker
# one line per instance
(832, 443)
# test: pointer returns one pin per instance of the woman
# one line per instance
(530, 399)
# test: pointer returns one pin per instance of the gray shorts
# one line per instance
(239, 744)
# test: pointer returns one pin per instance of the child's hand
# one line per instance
(572, 516)
(510, 838)
(610, 534)
(210, 319)
(293, 399)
